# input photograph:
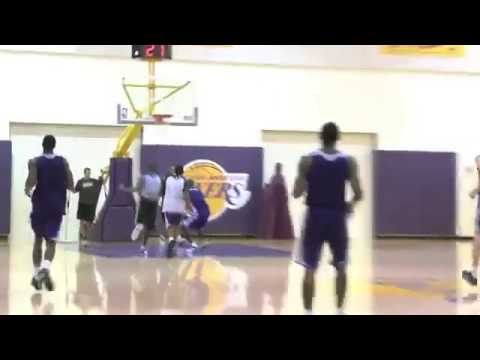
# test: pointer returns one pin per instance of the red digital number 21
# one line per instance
(150, 50)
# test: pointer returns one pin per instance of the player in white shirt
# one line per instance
(176, 203)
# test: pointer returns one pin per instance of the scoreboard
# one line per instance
(152, 52)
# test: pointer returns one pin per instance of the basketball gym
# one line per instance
(238, 118)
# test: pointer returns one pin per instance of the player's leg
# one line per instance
(471, 276)
(81, 230)
(200, 222)
(185, 233)
(89, 227)
(174, 221)
(85, 223)
(308, 291)
(338, 240)
(188, 224)
(84, 231)
(164, 236)
(37, 261)
(137, 232)
(171, 227)
(310, 251)
(49, 255)
(176, 231)
(476, 254)
(37, 253)
(140, 227)
(81, 218)
(91, 217)
(144, 233)
(149, 223)
(52, 229)
(36, 221)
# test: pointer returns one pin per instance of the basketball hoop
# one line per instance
(161, 118)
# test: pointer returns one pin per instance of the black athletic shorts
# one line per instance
(147, 213)
(86, 212)
(173, 219)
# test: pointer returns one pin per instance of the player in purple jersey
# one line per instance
(471, 276)
(200, 212)
(322, 176)
(50, 175)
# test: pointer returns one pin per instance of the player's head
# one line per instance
(152, 168)
(189, 184)
(278, 168)
(178, 170)
(330, 134)
(86, 173)
(49, 143)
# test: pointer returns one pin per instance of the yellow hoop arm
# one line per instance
(126, 140)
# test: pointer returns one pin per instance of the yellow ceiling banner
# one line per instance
(424, 50)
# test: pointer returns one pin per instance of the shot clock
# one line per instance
(152, 52)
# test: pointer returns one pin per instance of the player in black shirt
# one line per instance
(89, 190)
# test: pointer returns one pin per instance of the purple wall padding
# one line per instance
(415, 193)
(5, 186)
(234, 160)
(116, 220)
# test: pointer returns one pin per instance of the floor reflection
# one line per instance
(206, 286)
(397, 278)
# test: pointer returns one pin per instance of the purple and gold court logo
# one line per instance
(222, 190)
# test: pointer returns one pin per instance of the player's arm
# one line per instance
(77, 186)
(476, 191)
(70, 183)
(136, 189)
(354, 182)
(300, 187)
(31, 181)
(188, 200)
(105, 173)
(163, 187)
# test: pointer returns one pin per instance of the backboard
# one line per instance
(171, 103)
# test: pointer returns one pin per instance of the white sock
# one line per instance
(308, 312)
(171, 238)
(340, 312)
(35, 271)
(46, 265)
(136, 232)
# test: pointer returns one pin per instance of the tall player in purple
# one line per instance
(50, 175)
(322, 176)
(200, 212)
